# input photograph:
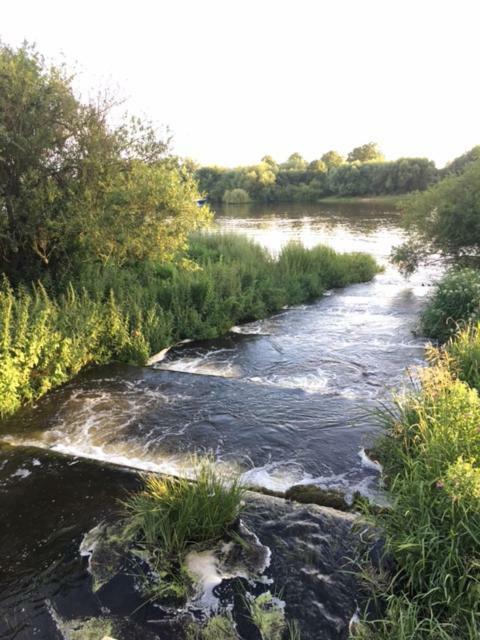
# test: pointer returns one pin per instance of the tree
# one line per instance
(67, 179)
(271, 163)
(317, 166)
(295, 162)
(332, 159)
(459, 164)
(443, 220)
(366, 153)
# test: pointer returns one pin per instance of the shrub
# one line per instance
(236, 196)
(455, 302)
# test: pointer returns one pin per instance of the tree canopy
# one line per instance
(332, 159)
(366, 153)
(444, 220)
(72, 185)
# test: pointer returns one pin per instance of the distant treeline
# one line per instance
(363, 173)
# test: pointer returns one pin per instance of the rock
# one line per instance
(312, 494)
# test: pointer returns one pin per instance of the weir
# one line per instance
(283, 401)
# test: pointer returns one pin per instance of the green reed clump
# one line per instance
(51, 331)
(431, 457)
(462, 355)
(171, 516)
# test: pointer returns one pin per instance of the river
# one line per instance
(286, 400)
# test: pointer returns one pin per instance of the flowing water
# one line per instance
(285, 400)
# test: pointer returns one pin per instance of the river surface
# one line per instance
(286, 400)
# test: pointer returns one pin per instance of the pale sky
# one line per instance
(237, 79)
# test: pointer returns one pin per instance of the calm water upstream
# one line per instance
(283, 400)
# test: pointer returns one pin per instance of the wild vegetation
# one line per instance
(430, 453)
(172, 516)
(444, 221)
(455, 303)
(265, 612)
(51, 331)
(363, 173)
(98, 245)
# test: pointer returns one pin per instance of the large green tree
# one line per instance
(73, 186)
(444, 220)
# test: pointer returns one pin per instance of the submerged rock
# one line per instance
(313, 494)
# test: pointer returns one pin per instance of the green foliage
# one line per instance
(172, 516)
(131, 313)
(236, 196)
(219, 627)
(454, 303)
(332, 159)
(445, 220)
(295, 162)
(461, 354)
(431, 457)
(458, 165)
(268, 615)
(92, 629)
(298, 181)
(74, 189)
(45, 342)
(366, 153)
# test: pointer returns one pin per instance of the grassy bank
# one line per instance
(49, 332)
(431, 457)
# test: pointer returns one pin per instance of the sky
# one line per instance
(237, 79)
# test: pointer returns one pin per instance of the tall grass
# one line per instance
(172, 516)
(51, 331)
(431, 458)
(46, 341)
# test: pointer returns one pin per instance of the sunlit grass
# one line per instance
(431, 458)
(48, 333)
(173, 514)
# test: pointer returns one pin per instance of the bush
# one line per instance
(236, 196)
(455, 302)
(45, 342)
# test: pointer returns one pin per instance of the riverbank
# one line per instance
(112, 314)
(430, 454)
(387, 200)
